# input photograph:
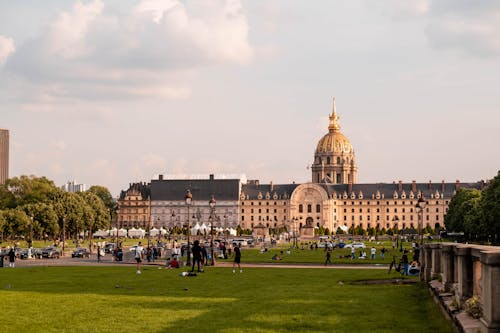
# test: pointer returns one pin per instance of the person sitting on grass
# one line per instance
(173, 263)
(276, 257)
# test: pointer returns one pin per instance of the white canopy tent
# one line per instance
(136, 233)
(154, 232)
(101, 233)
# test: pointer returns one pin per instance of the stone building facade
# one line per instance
(134, 207)
(332, 200)
(169, 208)
(4, 155)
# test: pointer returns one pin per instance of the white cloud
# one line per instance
(154, 50)
(58, 144)
(477, 34)
(6, 48)
(401, 9)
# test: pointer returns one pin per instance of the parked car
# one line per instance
(51, 252)
(356, 245)
(80, 253)
(35, 253)
(109, 247)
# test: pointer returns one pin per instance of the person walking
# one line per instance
(372, 252)
(404, 259)
(99, 254)
(237, 258)
(382, 253)
(138, 256)
(12, 258)
(197, 255)
(328, 255)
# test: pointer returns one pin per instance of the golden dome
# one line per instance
(334, 141)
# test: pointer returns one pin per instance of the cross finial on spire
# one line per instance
(334, 120)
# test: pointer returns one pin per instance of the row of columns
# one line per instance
(467, 270)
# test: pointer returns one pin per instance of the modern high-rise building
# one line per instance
(4, 155)
(74, 187)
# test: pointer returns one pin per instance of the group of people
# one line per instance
(199, 255)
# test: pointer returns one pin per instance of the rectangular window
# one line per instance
(243, 218)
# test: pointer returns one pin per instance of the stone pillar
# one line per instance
(436, 258)
(448, 263)
(426, 264)
(464, 273)
(490, 296)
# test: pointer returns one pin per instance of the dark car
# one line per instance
(35, 253)
(109, 247)
(80, 253)
(51, 252)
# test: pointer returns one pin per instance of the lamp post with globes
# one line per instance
(420, 209)
(188, 197)
(294, 220)
(212, 203)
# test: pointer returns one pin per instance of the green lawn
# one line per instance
(115, 299)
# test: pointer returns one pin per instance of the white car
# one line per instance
(356, 245)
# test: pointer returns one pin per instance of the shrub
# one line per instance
(473, 307)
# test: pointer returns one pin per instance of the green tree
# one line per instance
(44, 219)
(16, 223)
(490, 206)
(31, 189)
(459, 207)
(7, 199)
(106, 197)
(71, 211)
(98, 216)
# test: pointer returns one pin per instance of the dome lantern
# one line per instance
(334, 158)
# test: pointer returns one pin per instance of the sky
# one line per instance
(119, 91)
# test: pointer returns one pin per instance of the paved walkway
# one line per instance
(107, 261)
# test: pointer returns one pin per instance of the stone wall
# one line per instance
(461, 271)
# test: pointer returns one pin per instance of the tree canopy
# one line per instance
(476, 213)
(36, 204)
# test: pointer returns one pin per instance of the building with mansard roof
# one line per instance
(333, 199)
(134, 206)
(169, 208)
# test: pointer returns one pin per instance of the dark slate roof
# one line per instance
(388, 189)
(253, 189)
(143, 188)
(201, 189)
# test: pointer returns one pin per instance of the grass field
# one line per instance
(115, 299)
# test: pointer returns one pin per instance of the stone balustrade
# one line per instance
(464, 271)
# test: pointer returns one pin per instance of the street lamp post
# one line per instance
(30, 240)
(188, 197)
(212, 203)
(420, 209)
(294, 219)
(63, 235)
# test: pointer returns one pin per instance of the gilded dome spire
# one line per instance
(334, 125)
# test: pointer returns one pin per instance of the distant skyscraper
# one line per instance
(4, 155)
(74, 187)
